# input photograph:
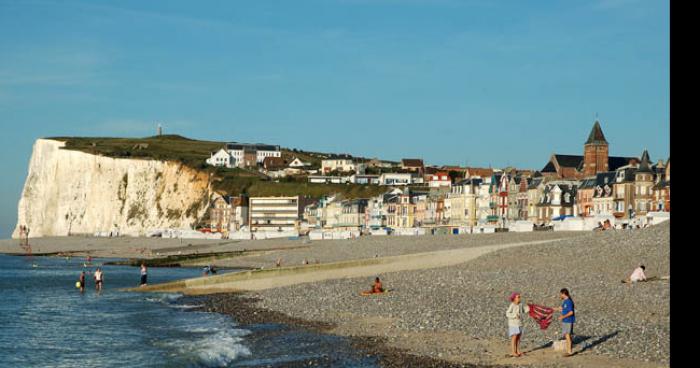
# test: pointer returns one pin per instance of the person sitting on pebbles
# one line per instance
(377, 287)
(637, 275)
(515, 323)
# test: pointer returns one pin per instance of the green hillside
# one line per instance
(193, 153)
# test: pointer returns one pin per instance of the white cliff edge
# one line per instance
(72, 193)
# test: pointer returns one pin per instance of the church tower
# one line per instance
(595, 152)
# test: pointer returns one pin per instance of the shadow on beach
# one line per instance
(577, 340)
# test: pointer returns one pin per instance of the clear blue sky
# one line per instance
(454, 82)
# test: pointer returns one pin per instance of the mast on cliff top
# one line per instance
(159, 131)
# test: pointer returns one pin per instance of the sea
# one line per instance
(45, 321)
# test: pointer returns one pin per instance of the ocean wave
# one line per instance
(219, 351)
(186, 306)
(217, 348)
(164, 298)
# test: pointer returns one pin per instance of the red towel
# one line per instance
(541, 314)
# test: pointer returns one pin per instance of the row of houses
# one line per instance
(504, 198)
(589, 186)
(499, 200)
(338, 169)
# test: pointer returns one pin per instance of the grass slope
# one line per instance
(193, 153)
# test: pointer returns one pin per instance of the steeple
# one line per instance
(644, 166)
(595, 152)
(596, 136)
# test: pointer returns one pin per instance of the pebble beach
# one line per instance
(457, 313)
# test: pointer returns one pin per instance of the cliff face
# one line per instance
(71, 192)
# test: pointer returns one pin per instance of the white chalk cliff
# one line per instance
(70, 192)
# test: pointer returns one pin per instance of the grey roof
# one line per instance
(629, 174)
(342, 156)
(569, 160)
(474, 181)
(605, 178)
(252, 146)
(615, 163)
(644, 165)
(534, 183)
(388, 197)
(576, 161)
(596, 136)
(549, 168)
(588, 183)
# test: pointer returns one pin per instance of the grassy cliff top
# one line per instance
(173, 147)
(193, 153)
(166, 148)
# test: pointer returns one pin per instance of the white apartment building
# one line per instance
(238, 151)
(273, 213)
(396, 179)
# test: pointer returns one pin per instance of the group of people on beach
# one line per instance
(605, 225)
(24, 235)
(98, 276)
(516, 310)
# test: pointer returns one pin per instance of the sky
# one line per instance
(478, 83)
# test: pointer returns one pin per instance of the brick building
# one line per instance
(595, 159)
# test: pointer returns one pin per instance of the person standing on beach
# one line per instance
(98, 279)
(567, 318)
(515, 323)
(144, 274)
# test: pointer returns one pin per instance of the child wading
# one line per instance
(515, 323)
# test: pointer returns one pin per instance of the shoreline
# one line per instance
(243, 310)
(241, 306)
(451, 292)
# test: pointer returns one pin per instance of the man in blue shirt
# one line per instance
(567, 318)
